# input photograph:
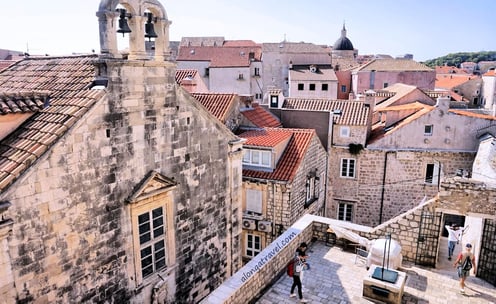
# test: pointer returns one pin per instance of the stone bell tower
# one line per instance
(139, 16)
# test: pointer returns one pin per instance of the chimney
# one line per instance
(443, 103)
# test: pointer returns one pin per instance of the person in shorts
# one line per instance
(460, 261)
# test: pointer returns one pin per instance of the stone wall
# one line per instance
(247, 284)
(72, 236)
(404, 184)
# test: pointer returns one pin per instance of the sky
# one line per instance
(425, 28)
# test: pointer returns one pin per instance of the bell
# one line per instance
(123, 26)
(149, 28)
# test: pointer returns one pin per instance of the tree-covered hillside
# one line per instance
(456, 58)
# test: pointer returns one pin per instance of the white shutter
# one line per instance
(254, 201)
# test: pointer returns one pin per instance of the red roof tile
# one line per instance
(260, 117)
(22, 102)
(449, 70)
(472, 114)
(490, 73)
(267, 137)
(184, 73)
(220, 56)
(354, 113)
(451, 81)
(378, 129)
(6, 63)
(217, 104)
(66, 80)
(291, 159)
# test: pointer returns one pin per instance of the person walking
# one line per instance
(300, 262)
(454, 235)
(464, 263)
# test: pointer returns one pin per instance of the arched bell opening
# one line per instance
(125, 23)
(133, 29)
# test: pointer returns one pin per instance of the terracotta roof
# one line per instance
(472, 114)
(6, 63)
(450, 81)
(304, 73)
(68, 80)
(274, 91)
(23, 102)
(379, 131)
(268, 137)
(183, 73)
(449, 70)
(237, 43)
(381, 65)
(295, 47)
(400, 91)
(409, 106)
(217, 104)
(354, 113)
(220, 56)
(490, 73)
(261, 117)
(441, 93)
(291, 159)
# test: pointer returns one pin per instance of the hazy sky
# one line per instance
(424, 28)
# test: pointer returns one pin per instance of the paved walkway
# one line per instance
(334, 277)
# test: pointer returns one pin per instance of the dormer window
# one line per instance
(259, 158)
(274, 101)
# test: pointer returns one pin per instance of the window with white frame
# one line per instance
(310, 189)
(274, 101)
(253, 244)
(301, 87)
(385, 85)
(348, 167)
(428, 129)
(325, 87)
(152, 241)
(312, 87)
(432, 174)
(344, 131)
(345, 212)
(260, 158)
(257, 72)
(253, 201)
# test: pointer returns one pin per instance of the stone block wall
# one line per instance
(247, 284)
(71, 239)
(404, 185)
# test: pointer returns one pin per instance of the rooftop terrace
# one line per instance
(335, 277)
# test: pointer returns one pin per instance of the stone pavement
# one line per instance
(334, 277)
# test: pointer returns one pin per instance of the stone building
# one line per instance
(116, 186)
(381, 73)
(278, 59)
(411, 148)
(225, 66)
(313, 81)
(284, 178)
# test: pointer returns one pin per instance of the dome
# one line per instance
(343, 43)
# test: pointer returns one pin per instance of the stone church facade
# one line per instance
(122, 188)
